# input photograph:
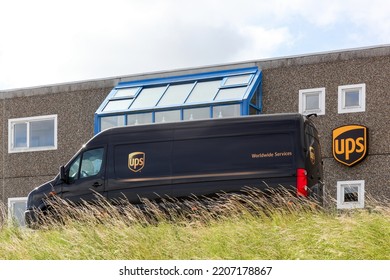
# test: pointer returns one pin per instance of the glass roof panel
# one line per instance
(176, 94)
(116, 105)
(204, 92)
(235, 93)
(238, 80)
(126, 92)
(148, 97)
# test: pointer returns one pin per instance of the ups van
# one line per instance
(191, 158)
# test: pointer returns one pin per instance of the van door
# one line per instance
(140, 170)
(85, 176)
(313, 161)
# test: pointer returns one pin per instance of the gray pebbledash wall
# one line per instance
(372, 67)
(76, 103)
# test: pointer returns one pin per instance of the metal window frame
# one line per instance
(11, 213)
(342, 109)
(302, 101)
(341, 204)
(28, 120)
(253, 87)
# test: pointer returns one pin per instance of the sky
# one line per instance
(46, 42)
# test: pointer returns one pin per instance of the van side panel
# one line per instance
(203, 158)
(231, 162)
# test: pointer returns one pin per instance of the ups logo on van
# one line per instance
(136, 161)
(350, 144)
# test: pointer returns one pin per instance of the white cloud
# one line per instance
(46, 41)
(261, 42)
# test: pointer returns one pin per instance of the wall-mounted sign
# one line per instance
(350, 144)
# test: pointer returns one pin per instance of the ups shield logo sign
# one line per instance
(350, 144)
(136, 161)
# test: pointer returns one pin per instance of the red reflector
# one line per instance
(302, 182)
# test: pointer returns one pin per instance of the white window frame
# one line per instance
(341, 204)
(11, 214)
(362, 99)
(312, 91)
(12, 122)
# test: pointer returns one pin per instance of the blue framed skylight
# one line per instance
(227, 93)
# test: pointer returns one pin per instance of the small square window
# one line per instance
(312, 101)
(352, 98)
(350, 194)
(16, 208)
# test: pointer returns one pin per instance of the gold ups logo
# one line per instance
(136, 161)
(350, 144)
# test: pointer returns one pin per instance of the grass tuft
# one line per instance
(231, 226)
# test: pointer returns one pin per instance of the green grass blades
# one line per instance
(232, 227)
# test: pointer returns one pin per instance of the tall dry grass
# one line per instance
(193, 210)
(250, 225)
(3, 214)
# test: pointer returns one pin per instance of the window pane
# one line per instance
(148, 97)
(42, 133)
(117, 105)
(231, 93)
(126, 92)
(254, 100)
(74, 170)
(352, 98)
(91, 163)
(136, 119)
(253, 111)
(175, 95)
(226, 111)
(112, 121)
(20, 135)
(312, 102)
(351, 194)
(197, 114)
(18, 208)
(167, 116)
(204, 92)
(238, 80)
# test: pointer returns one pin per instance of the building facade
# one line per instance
(43, 127)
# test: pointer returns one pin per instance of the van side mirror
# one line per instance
(62, 174)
